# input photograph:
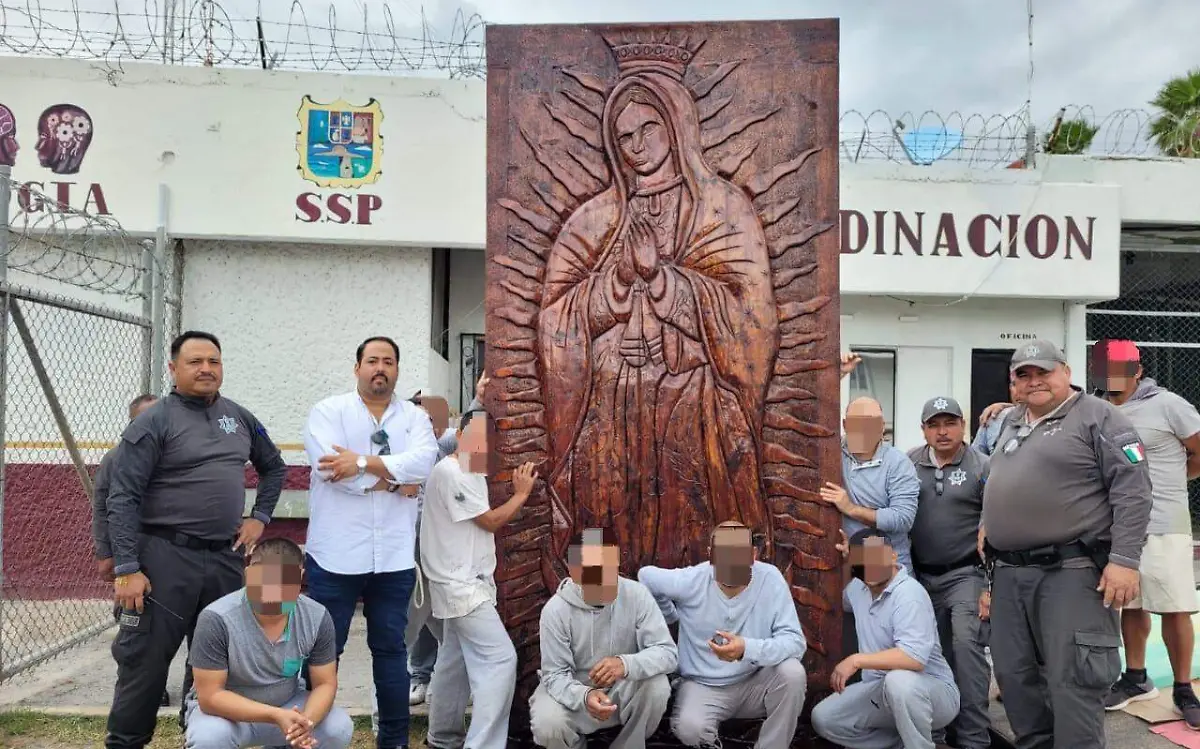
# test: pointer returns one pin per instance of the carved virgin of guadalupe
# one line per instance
(657, 332)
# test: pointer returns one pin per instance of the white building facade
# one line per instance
(312, 210)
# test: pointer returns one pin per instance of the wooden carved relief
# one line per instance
(662, 310)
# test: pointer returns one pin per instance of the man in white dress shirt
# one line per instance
(370, 451)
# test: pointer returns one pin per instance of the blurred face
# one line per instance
(473, 445)
(732, 556)
(596, 572)
(272, 587)
(1119, 377)
(1040, 389)
(438, 410)
(864, 426)
(874, 562)
(197, 370)
(377, 371)
(944, 432)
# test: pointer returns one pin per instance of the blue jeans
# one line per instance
(385, 605)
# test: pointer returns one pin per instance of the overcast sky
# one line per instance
(969, 56)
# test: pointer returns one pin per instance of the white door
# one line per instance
(922, 372)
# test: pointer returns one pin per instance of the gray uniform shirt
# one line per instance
(902, 617)
(1081, 472)
(229, 638)
(183, 467)
(947, 524)
(1162, 420)
(100, 486)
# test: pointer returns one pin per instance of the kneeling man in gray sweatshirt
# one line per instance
(740, 642)
(606, 653)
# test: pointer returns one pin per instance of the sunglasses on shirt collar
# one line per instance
(381, 438)
(1015, 443)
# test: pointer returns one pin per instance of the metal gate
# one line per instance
(77, 343)
(1159, 309)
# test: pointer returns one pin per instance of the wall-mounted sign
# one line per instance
(980, 239)
(64, 134)
(340, 146)
(946, 235)
(1018, 336)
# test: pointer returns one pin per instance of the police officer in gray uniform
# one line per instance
(175, 522)
(1065, 511)
(946, 558)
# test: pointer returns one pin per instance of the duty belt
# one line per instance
(1051, 556)
(934, 570)
(187, 541)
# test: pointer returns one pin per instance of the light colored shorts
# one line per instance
(1168, 579)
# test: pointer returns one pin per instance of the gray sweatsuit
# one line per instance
(575, 636)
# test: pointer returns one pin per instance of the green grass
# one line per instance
(33, 730)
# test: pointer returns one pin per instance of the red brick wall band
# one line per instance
(48, 531)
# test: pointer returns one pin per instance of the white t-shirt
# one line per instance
(457, 556)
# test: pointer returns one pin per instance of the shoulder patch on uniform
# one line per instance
(460, 496)
(1134, 452)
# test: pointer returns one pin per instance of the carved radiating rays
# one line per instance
(572, 169)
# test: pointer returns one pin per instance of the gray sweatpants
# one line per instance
(955, 597)
(206, 731)
(773, 692)
(900, 710)
(640, 708)
(1052, 639)
(476, 658)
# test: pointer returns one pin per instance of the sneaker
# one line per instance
(418, 693)
(1126, 690)
(1188, 707)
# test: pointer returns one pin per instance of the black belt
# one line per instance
(190, 542)
(1049, 556)
(934, 570)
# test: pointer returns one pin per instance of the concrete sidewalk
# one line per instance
(1122, 730)
(80, 683)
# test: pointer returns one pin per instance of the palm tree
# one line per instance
(1176, 129)
(1069, 137)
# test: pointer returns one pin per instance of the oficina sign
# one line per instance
(996, 240)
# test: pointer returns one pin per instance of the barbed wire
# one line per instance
(51, 240)
(203, 32)
(1000, 140)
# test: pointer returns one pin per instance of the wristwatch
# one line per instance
(362, 465)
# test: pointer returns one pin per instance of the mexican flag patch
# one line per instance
(1134, 452)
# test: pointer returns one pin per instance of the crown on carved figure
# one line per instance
(662, 52)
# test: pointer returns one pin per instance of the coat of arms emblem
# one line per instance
(339, 144)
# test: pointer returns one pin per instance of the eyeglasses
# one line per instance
(381, 438)
(1015, 443)
(939, 475)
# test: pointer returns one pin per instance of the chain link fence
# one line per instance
(1159, 309)
(77, 296)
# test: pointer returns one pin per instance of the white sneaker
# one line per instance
(417, 694)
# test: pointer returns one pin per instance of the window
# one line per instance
(472, 350)
(439, 296)
(875, 377)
